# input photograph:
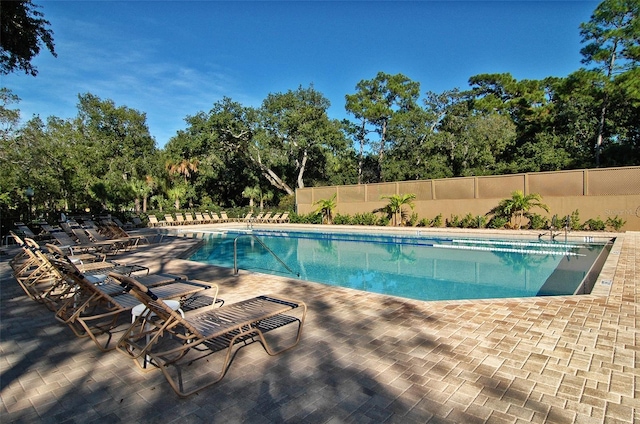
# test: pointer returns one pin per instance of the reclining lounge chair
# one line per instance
(97, 309)
(171, 342)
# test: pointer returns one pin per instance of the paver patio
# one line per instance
(363, 357)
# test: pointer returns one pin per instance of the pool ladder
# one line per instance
(235, 254)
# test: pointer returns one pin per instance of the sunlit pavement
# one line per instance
(363, 357)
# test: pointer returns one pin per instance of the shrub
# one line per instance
(537, 222)
(366, 218)
(342, 219)
(470, 221)
(382, 221)
(437, 221)
(594, 224)
(615, 223)
(454, 222)
(413, 220)
(574, 221)
(287, 203)
(312, 218)
(498, 222)
(424, 222)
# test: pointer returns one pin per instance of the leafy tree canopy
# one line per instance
(23, 31)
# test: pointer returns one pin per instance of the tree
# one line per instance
(396, 202)
(265, 196)
(376, 102)
(252, 193)
(176, 193)
(518, 205)
(294, 138)
(23, 30)
(325, 208)
(613, 44)
(185, 167)
(9, 118)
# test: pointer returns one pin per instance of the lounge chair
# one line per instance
(24, 230)
(119, 223)
(171, 342)
(224, 217)
(274, 218)
(35, 273)
(180, 219)
(257, 218)
(201, 219)
(189, 219)
(284, 218)
(169, 219)
(96, 310)
(137, 222)
(214, 217)
(266, 217)
(153, 222)
(246, 218)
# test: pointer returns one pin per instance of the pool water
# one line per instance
(416, 267)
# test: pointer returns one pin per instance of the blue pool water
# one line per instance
(416, 267)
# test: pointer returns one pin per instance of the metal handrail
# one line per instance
(235, 254)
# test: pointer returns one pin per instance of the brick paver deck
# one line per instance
(363, 358)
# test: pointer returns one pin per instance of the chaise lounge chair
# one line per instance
(153, 222)
(96, 310)
(171, 342)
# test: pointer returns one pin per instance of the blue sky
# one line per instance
(171, 59)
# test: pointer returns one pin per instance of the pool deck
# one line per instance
(363, 357)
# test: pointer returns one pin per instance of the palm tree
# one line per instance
(518, 205)
(185, 167)
(396, 202)
(252, 193)
(326, 207)
(176, 193)
(265, 196)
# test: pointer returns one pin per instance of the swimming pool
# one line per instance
(422, 267)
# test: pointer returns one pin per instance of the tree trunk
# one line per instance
(605, 104)
(361, 153)
(272, 177)
(381, 150)
(302, 168)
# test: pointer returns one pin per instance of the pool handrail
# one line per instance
(235, 254)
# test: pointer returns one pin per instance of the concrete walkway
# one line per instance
(363, 358)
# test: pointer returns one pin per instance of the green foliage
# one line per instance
(382, 221)
(453, 222)
(325, 209)
(592, 224)
(396, 202)
(366, 218)
(287, 203)
(424, 222)
(615, 223)
(413, 220)
(498, 222)
(24, 30)
(342, 219)
(437, 221)
(311, 218)
(574, 221)
(470, 221)
(537, 222)
(518, 205)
